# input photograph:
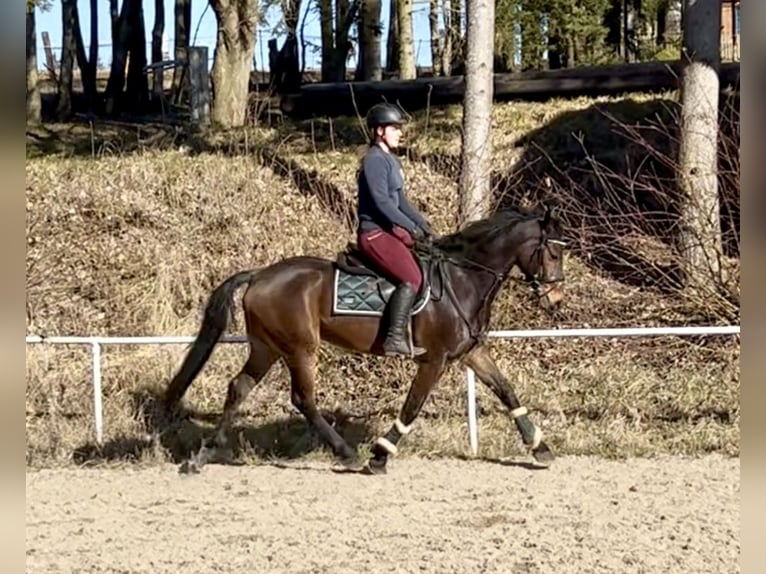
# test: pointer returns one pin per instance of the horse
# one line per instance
(295, 304)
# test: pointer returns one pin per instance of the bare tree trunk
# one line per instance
(700, 233)
(34, 105)
(453, 42)
(476, 160)
(91, 83)
(288, 69)
(346, 15)
(68, 48)
(114, 15)
(137, 86)
(370, 66)
(407, 70)
(88, 81)
(392, 46)
(447, 49)
(233, 59)
(433, 24)
(123, 30)
(182, 40)
(157, 32)
(328, 46)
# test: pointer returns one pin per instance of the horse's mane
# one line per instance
(484, 230)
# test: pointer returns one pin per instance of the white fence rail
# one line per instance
(97, 342)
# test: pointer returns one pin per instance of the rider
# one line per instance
(388, 223)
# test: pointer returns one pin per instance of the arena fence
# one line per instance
(96, 343)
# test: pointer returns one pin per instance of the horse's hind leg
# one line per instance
(255, 368)
(485, 368)
(302, 368)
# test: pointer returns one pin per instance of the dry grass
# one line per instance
(131, 241)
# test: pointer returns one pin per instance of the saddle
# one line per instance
(353, 261)
(360, 289)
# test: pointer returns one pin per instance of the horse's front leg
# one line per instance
(425, 380)
(488, 373)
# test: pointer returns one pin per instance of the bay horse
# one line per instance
(295, 304)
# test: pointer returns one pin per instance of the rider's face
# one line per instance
(390, 135)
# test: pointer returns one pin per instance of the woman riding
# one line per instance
(389, 224)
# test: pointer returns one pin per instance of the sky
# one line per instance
(203, 30)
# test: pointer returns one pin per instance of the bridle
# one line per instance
(537, 279)
(437, 257)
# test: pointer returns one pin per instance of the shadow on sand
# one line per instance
(284, 439)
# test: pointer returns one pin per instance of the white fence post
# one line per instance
(473, 431)
(97, 342)
(97, 394)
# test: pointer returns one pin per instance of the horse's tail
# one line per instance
(214, 323)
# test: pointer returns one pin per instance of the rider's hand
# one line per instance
(403, 235)
(419, 234)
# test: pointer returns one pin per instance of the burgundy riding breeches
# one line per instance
(391, 256)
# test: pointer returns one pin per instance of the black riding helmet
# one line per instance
(381, 115)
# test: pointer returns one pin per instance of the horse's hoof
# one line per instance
(352, 464)
(188, 467)
(375, 467)
(543, 455)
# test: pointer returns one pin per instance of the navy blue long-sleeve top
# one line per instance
(381, 200)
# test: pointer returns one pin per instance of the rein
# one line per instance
(438, 258)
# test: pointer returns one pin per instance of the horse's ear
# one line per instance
(547, 214)
(550, 214)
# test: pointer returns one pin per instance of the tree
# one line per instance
(700, 225)
(285, 63)
(69, 26)
(182, 33)
(407, 69)
(130, 39)
(232, 61)
(392, 43)
(452, 51)
(336, 45)
(476, 153)
(34, 103)
(370, 33)
(157, 31)
(433, 26)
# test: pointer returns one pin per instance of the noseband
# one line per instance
(538, 279)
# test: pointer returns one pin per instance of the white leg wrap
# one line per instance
(387, 444)
(537, 439)
(520, 412)
(401, 427)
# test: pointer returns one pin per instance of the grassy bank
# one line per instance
(128, 231)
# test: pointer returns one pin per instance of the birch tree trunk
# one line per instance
(433, 24)
(233, 59)
(407, 70)
(476, 153)
(34, 105)
(700, 225)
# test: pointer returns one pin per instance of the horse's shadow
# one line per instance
(179, 440)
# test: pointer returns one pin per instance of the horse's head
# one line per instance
(541, 257)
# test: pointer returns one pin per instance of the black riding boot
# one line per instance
(397, 342)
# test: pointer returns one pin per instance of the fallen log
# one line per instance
(344, 98)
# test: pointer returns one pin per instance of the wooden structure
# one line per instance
(346, 97)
